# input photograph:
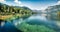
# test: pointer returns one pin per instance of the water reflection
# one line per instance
(35, 19)
(19, 21)
(42, 20)
(38, 17)
(8, 27)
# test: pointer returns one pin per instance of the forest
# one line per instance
(7, 11)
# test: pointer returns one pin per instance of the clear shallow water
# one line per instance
(32, 20)
(42, 20)
(8, 27)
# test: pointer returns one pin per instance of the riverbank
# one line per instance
(4, 17)
(12, 17)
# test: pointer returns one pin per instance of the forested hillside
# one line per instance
(7, 11)
(14, 9)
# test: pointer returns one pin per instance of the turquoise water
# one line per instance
(32, 20)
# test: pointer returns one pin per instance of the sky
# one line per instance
(32, 4)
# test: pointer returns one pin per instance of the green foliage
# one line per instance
(34, 28)
(14, 9)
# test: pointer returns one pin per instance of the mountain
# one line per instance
(37, 11)
(16, 9)
(53, 12)
(51, 9)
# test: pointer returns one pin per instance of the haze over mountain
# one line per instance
(32, 4)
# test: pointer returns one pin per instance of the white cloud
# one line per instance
(18, 3)
(2, 1)
(58, 3)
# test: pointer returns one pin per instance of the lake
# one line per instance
(36, 19)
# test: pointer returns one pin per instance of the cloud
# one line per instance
(58, 3)
(19, 3)
(2, 1)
